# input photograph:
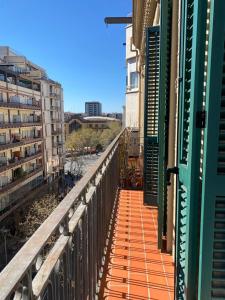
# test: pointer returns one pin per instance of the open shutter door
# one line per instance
(212, 234)
(193, 29)
(164, 93)
(151, 116)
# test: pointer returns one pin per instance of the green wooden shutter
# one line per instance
(212, 235)
(151, 116)
(164, 93)
(193, 29)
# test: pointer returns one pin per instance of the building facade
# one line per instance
(93, 108)
(31, 127)
(53, 114)
(181, 73)
(75, 122)
(132, 83)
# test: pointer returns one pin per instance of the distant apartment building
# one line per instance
(93, 108)
(31, 127)
(132, 83)
(115, 115)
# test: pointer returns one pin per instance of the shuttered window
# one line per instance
(192, 56)
(212, 235)
(151, 116)
(164, 92)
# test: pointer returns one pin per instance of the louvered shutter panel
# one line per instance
(164, 92)
(151, 116)
(212, 234)
(193, 29)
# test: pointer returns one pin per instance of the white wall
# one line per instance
(132, 94)
(132, 110)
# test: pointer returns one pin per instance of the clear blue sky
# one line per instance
(70, 40)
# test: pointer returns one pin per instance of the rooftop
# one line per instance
(100, 118)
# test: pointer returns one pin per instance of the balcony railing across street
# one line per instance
(79, 226)
(8, 163)
(16, 180)
(19, 142)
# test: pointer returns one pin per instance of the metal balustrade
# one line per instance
(20, 142)
(64, 258)
(56, 131)
(16, 181)
(35, 105)
(19, 123)
(13, 162)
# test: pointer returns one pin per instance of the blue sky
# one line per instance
(70, 40)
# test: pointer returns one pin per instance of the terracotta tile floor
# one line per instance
(136, 269)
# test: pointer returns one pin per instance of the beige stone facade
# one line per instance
(75, 122)
(31, 127)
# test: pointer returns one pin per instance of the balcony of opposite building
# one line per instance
(20, 177)
(55, 107)
(53, 94)
(19, 122)
(18, 159)
(11, 76)
(56, 131)
(17, 102)
(18, 141)
(100, 242)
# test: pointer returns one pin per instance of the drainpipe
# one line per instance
(136, 51)
(157, 15)
(172, 138)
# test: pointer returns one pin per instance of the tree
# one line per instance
(108, 135)
(85, 140)
(82, 139)
(36, 214)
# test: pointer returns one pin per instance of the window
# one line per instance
(2, 76)
(1, 118)
(133, 80)
(2, 138)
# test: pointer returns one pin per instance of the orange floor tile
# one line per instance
(136, 269)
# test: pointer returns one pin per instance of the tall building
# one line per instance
(132, 82)
(31, 127)
(93, 108)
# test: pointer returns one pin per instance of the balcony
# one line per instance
(19, 123)
(56, 131)
(32, 104)
(20, 142)
(104, 244)
(57, 144)
(51, 94)
(55, 120)
(12, 76)
(54, 107)
(17, 180)
(16, 161)
(19, 196)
